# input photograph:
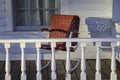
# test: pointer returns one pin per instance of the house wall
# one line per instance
(2, 16)
(116, 11)
(89, 8)
(82, 8)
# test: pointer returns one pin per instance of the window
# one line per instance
(33, 14)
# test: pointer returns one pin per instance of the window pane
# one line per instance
(49, 3)
(34, 12)
(48, 16)
(35, 18)
(41, 17)
(21, 3)
(36, 3)
(22, 18)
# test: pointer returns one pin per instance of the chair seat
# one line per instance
(58, 47)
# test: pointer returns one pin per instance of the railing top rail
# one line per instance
(61, 40)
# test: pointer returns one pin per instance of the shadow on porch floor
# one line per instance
(31, 70)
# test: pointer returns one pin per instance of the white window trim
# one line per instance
(9, 16)
(9, 13)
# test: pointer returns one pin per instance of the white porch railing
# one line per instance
(82, 41)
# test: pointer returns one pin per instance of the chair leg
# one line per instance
(48, 63)
(74, 68)
(68, 75)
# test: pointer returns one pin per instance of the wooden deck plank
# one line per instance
(45, 75)
(76, 73)
(91, 73)
(105, 69)
(60, 70)
(88, 70)
(15, 70)
(49, 72)
(27, 69)
(118, 70)
(2, 70)
(31, 70)
(2, 63)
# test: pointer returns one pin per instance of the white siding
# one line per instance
(64, 6)
(89, 8)
(82, 8)
(2, 16)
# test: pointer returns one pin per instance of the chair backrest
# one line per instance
(62, 26)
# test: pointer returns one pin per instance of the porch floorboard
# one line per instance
(31, 70)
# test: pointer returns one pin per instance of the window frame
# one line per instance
(10, 16)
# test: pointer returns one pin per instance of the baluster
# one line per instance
(83, 62)
(23, 62)
(113, 75)
(98, 62)
(39, 65)
(68, 63)
(53, 64)
(7, 64)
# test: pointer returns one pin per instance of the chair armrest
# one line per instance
(74, 34)
(44, 33)
(44, 29)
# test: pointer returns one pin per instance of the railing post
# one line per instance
(7, 64)
(23, 62)
(39, 65)
(83, 62)
(68, 64)
(113, 75)
(53, 64)
(98, 62)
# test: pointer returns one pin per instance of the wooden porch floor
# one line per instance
(31, 70)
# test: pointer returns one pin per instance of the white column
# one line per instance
(113, 75)
(7, 64)
(98, 62)
(53, 64)
(68, 64)
(23, 62)
(39, 65)
(83, 62)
